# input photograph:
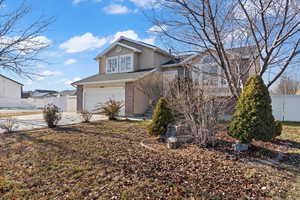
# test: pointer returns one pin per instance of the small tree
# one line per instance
(151, 86)
(111, 108)
(161, 118)
(253, 117)
(9, 125)
(200, 107)
(52, 115)
(287, 86)
(86, 116)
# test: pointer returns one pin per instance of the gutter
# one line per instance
(115, 81)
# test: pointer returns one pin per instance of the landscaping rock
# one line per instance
(171, 130)
(185, 139)
(172, 143)
(238, 147)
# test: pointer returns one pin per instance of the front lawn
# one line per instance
(15, 114)
(104, 160)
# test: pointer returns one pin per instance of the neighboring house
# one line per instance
(40, 94)
(67, 93)
(207, 72)
(298, 92)
(121, 65)
(126, 62)
(10, 88)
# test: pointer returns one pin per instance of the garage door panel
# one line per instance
(94, 97)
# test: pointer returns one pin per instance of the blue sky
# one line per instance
(82, 29)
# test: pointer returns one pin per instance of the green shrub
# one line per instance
(52, 115)
(278, 128)
(162, 116)
(253, 117)
(111, 108)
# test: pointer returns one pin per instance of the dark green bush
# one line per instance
(253, 117)
(278, 128)
(52, 115)
(162, 116)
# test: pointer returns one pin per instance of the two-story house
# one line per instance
(127, 61)
(120, 65)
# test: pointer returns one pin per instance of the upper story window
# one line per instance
(119, 64)
(208, 60)
(209, 73)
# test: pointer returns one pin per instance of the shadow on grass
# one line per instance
(287, 143)
(98, 129)
(262, 155)
(294, 124)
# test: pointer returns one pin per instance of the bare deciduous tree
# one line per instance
(200, 106)
(20, 43)
(287, 86)
(267, 31)
(152, 87)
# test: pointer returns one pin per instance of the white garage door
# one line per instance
(95, 96)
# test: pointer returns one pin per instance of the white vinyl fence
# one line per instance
(286, 107)
(66, 103)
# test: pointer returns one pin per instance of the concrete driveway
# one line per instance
(30, 122)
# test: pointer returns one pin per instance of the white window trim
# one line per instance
(201, 75)
(107, 62)
(118, 61)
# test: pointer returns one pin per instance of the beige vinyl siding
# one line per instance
(147, 59)
(141, 102)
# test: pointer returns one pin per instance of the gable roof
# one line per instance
(11, 80)
(113, 78)
(244, 52)
(118, 42)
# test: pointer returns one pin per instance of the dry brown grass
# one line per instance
(15, 114)
(104, 160)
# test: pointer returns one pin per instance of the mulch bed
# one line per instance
(105, 160)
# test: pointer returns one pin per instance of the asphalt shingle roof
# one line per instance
(112, 77)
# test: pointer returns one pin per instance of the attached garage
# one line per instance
(98, 89)
(94, 96)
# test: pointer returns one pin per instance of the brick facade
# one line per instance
(79, 98)
(129, 98)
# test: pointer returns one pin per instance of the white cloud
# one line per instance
(84, 42)
(70, 61)
(69, 82)
(117, 9)
(150, 40)
(40, 66)
(132, 35)
(146, 3)
(129, 34)
(29, 82)
(49, 73)
(27, 46)
(77, 1)
(157, 29)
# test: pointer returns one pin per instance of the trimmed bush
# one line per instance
(86, 116)
(9, 125)
(52, 115)
(162, 116)
(253, 117)
(278, 128)
(111, 109)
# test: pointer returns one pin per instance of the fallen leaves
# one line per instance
(106, 161)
